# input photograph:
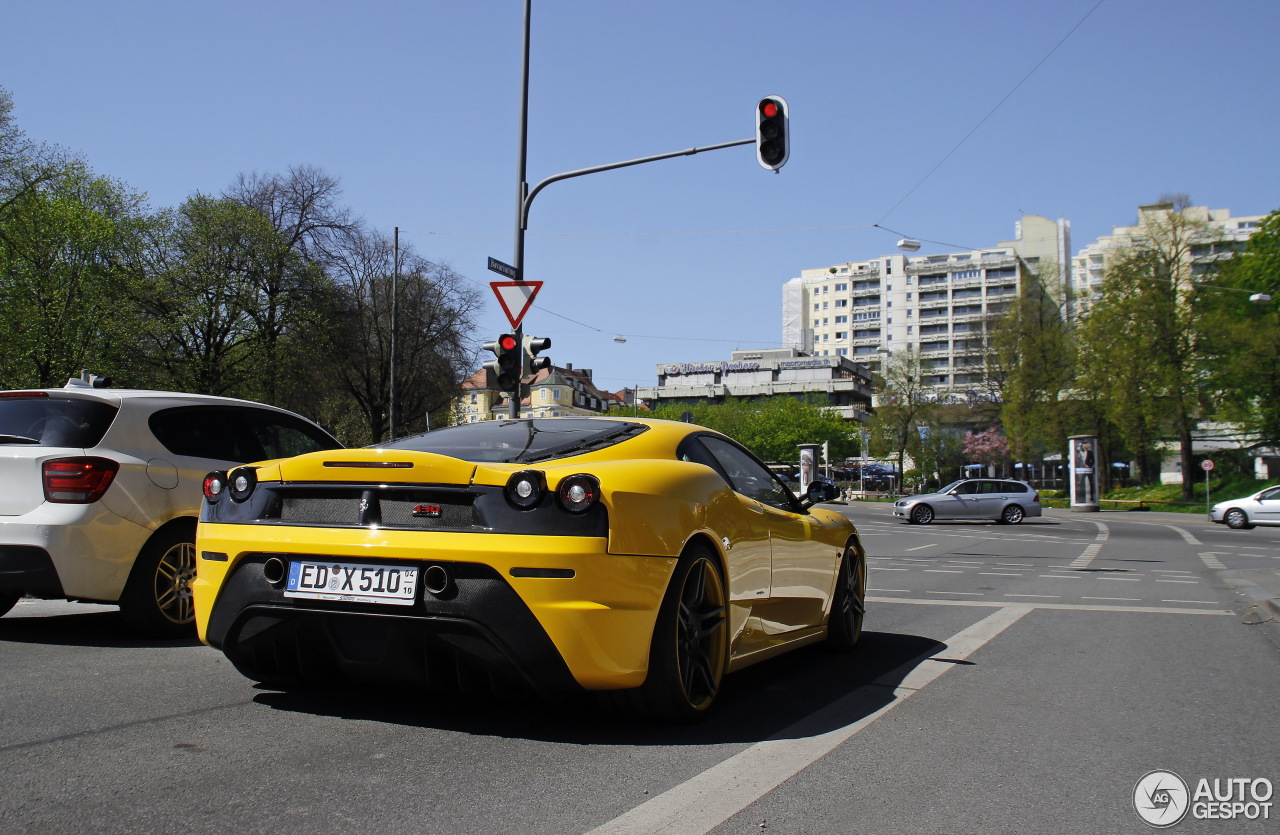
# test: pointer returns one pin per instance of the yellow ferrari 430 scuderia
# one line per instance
(644, 557)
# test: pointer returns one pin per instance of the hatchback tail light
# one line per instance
(1035, 498)
(77, 480)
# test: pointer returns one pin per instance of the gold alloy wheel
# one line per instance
(174, 575)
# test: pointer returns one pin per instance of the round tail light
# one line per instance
(215, 484)
(241, 482)
(578, 492)
(526, 488)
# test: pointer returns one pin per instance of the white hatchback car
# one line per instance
(1262, 508)
(102, 489)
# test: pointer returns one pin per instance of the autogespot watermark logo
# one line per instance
(1162, 798)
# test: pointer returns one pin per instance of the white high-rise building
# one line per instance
(1224, 235)
(937, 304)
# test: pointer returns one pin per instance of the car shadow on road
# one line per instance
(769, 700)
(87, 629)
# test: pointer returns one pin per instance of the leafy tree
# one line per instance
(1034, 349)
(773, 428)
(905, 402)
(198, 291)
(1241, 364)
(1142, 337)
(62, 254)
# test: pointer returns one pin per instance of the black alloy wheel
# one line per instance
(849, 603)
(921, 514)
(690, 646)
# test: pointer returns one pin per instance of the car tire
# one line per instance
(1237, 519)
(8, 599)
(1012, 515)
(157, 598)
(690, 645)
(849, 603)
(921, 514)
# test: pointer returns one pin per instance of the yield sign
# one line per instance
(516, 297)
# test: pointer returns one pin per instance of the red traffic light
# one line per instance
(507, 342)
(769, 108)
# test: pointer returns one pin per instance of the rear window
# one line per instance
(236, 433)
(524, 441)
(54, 422)
(1013, 487)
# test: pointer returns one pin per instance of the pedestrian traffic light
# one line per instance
(533, 363)
(773, 144)
(504, 372)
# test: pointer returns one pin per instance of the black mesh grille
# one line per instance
(392, 508)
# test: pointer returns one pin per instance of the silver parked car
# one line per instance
(1003, 500)
(1262, 508)
(102, 489)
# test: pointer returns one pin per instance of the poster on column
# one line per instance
(1084, 472)
(808, 465)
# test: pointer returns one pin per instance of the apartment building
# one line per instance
(1223, 235)
(936, 304)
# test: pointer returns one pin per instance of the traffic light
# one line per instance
(504, 372)
(773, 143)
(533, 363)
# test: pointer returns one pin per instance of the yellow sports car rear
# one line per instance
(558, 554)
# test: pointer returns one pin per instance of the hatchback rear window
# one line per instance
(53, 421)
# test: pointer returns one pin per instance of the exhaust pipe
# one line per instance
(436, 579)
(273, 571)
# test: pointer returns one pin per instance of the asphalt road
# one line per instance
(1011, 679)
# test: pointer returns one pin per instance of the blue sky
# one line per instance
(414, 106)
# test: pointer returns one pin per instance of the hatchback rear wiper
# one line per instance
(18, 439)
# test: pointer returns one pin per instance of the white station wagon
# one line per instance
(100, 490)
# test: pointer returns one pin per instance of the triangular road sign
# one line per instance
(516, 297)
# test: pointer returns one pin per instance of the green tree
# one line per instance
(198, 292)
(905, 403)
(1034, 351)
(773, 428)
(63, 253)
(1241, 364)
(1142, 344)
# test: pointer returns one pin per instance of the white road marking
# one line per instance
(1130, 599)
(1034, 595)
(943, 571)
(702, 803)
(997, 574)
(922, 547)
(1060, 577)
(1211, 560)
(1206, 602)
(1072, 607)
(1091, 551)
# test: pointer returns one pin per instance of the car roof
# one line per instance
(118, 396)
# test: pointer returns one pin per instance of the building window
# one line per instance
(840, 288)
(839, 303)
(840, 320)
(842, 352)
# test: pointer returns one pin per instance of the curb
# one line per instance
(1243, 581)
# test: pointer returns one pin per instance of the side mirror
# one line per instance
(821, 491)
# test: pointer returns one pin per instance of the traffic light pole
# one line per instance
(524, 196)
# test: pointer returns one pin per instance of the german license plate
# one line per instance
(351, 582)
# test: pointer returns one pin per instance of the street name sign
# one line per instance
(516, 297)
(504, 269)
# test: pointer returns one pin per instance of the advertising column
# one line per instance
(1083, 450)
(808, 465)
